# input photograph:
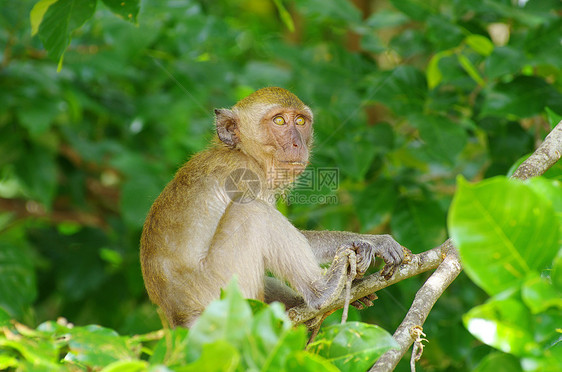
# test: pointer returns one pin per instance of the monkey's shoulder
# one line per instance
(216, 163)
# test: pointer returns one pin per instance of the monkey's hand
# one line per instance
(367, 247)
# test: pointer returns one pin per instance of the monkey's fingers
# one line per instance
(363, 302)
(358, 305)
(388, 270)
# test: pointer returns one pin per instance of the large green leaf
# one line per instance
(503, 230)
(353, 346)
(504, 324)
(539, 294)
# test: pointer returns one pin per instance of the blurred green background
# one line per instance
(407, 95)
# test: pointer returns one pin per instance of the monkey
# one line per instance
(217, 218)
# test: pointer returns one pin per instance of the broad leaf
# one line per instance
(504, 324)
(503, 231)
(538, 294)
(353, 346)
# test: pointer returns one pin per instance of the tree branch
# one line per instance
(417, 264)
(546, 155)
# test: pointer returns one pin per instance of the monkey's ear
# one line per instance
(227, 127)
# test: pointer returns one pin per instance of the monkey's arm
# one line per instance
(324, 245)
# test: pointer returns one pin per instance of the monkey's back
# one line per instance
(175, 241)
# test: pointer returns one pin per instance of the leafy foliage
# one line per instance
(509, 234)
(407, 96)
(261, 340)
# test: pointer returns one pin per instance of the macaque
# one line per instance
(217, 219)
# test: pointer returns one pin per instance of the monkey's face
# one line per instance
(290, 137)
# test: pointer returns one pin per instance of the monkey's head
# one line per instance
(272, 125)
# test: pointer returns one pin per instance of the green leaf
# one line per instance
(553, 117)
(37, 13)
(470, 69)
(4, 317)
(269, 332)
(58, 21)
(539, 295)
(126, 366)
(284, 15)
(503, 231)
(126, 9)
(353, 346)
(416, 10)
(38, 116)
(304, 361)
(375, 203)
(523, 97)
(37, 170)
(556, 274)
(171, 349)
(358, 150)
(433, 73)
(385, 18)
(96, 346)
(137, 195)
(18, 288)
(227, 319)
(290, 342)
(418, 224)
(480, 44)
(217, 356)
(504, 61)
(8, 362)
(550, 190)
(498, 362)
(504, 324)
(443, 138)
(404, 90)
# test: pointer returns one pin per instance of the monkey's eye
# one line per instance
(300, 121)
(279, 120)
